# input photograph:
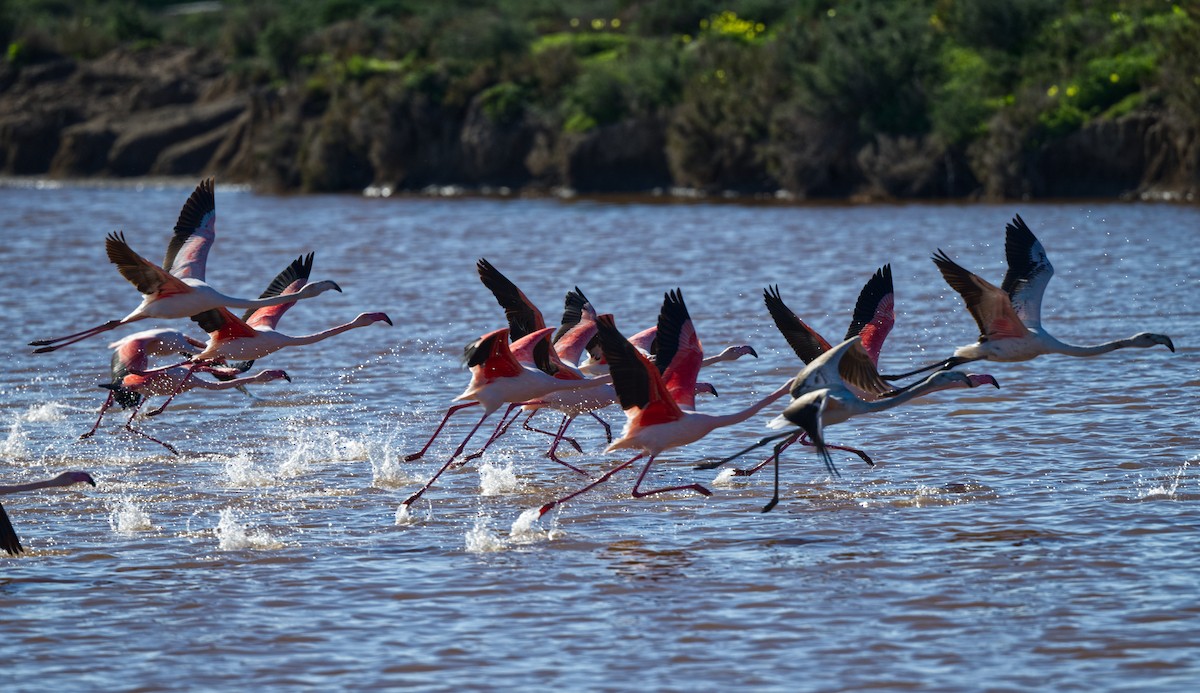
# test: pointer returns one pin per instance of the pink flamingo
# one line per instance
(497, 378)
(177, 289)
(1010, 317)
(874, 315)
(654, 421)
(8, 536)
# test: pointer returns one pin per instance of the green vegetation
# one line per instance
(753, 93)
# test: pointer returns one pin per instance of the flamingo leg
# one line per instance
(574, 443)
(449, 412)
(501, 429)
(60, 342)
(129, 427)
(177, 390)
(734, 456)
(642, 494)
(412, 499)
(940, 365)
(558, 438)
(103, 408)
(780, 447)
(607, 428)
(608, 475)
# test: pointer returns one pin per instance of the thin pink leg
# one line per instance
(558, 438)
(178, 388)
(103, 408)
(549, 506)
(449, 412)
(129, 427)
(457, 452)
(501, 429)
(574, 443)
(607, 428)
(687, 487)
(60, 342)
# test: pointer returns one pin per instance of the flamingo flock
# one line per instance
(582, 366)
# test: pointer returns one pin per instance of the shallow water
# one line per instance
(1036, 536)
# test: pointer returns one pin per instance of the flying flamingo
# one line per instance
(177, 289)
(654, 421)
(131, 389)
(496, 379)
(874, 315)
(1010, 317)
(821, 397)
(8, 536)
(254, 336)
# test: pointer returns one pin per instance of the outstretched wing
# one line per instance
(150, 279)
(187, 253)
(990, 306)
(679, 352)
(578, 327)
(874, 313)
(1029, 271)
(223, 326)
(523, 316)
(289, 281)
(8, 536)
(640, 389)
(803, 339)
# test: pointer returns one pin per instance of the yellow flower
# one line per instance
(1114, 78)
(1052, 91)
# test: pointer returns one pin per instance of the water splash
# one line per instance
(125, 517)
(1166, 489)
(724, 478)
(404, 516)
(242, 471)
(49, 411)
(526, 531)
(232, 535)
(495, 480)
(387, 468)
(312, 446)
(481, 539)
(15, 444)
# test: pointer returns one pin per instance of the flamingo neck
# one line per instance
(740, 416)
(33, 486)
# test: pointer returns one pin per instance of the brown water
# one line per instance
(1040, 536)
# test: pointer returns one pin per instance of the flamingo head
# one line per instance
(68, 478)
(318, 288)
(978, 379)
(1149, 339)
(706, 388)
(275, 374)
(368, 318)
(733, 353)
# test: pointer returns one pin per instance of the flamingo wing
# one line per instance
(874, 313)
(534, 349)
(223, 326)
(8, 535)
(289, 281)
(679, 352)
(574, 307)
(989, 305)
(523, 316)
(491, 353)
(150, 279)
(803, 339)
(857, 368)
(640, 389)
(1029, 271)
(195, 231)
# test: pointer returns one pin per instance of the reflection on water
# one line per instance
(1035, 536)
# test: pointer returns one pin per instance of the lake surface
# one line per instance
(1039, 536)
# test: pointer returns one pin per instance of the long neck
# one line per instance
(326, 334)
(230, 384)
(933, 383)
(21, 488)
(1094, 350)
(738, 417)
(234, 302)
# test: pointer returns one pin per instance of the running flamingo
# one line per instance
(654, 422)
(1010, 317)
(8, 536)
(821, 397)
(496, 379)
(177, 289)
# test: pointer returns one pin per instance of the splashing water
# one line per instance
(1166, 489)
(126, 517)
(387, 470)
(404, 516)
(50, 411)
(319, 446)
(724, 478)
(481, 539)
(15, 444)
(242, 471)
(495, 480)
(232, 535)
(525, 530)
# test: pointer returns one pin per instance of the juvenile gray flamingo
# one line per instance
(8, 535)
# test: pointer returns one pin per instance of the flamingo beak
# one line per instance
(750, 350)
(336, 287)
(388, 320)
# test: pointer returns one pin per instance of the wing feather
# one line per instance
(195, 232)
(289, 281)
(1029, 271)
(150, 279)
(990, 306)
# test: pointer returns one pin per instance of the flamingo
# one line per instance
(1010, 317)
(8, 536)
(131, 390)
(497, 378)
(177, 289)
(874, 315)
(821, 397)
(254, 336)
(654, 421)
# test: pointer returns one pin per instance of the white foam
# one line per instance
(126, 517)
(387, 469)
(481, 539)
(14, 444)
(495, 480)
(242, 471)
(404, 516)
(50, 411)
(526, 531)
(724, 478)
(232, 535)
(1167, 489)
